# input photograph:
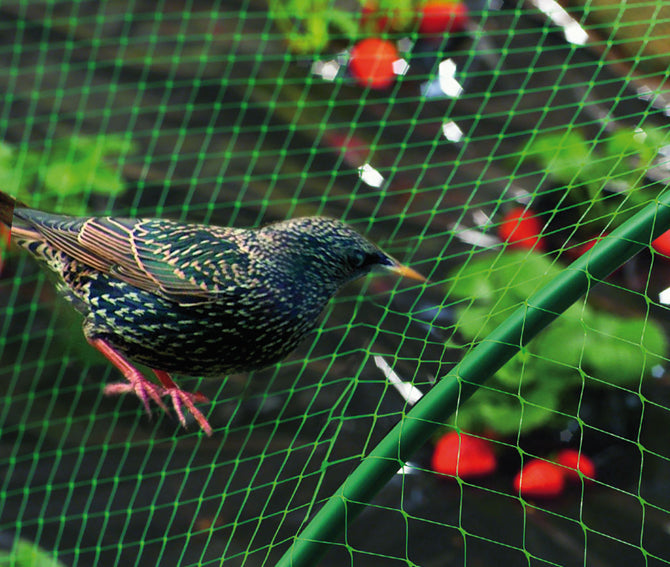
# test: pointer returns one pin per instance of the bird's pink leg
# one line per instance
(137, 384)
(145, 389)
(181, 398)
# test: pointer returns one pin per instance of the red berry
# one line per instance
(540, 479)
(441, 17)
(521, 229)
(576, 464)
(462, 455)
(662, 244)
(371, 62)
(584, 248)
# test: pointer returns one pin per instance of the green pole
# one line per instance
(484, 360)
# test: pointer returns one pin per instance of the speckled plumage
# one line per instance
(195, 299)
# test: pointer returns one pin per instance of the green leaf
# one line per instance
(526, 393)
(106, 181)
(509, 413)
(25, 553)
(62, 178)
(637, 147)
(563, 155)
(503, 282)
(473, 321)
(620, 351)
(509, 376)
(7, 154)
(562, 343)
(654, 139)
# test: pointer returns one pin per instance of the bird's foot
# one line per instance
(146, 390)
(181, 399)
(137, 384)
(142, 388)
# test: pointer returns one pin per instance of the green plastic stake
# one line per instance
(483, 361)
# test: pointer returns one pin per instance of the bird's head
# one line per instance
(330, 250)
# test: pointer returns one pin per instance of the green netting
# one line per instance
(248, 112)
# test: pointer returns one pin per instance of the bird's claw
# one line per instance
(142, 388)
(180, 398)
(145, 389)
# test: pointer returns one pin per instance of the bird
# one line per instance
(193, 299)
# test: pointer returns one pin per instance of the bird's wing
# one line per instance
(189, 264)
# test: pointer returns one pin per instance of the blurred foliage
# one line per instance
(598, 175)
(62, 176)
(584, 346)
(309, 24)
(24, 553)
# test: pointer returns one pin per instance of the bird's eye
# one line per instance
(357, 259)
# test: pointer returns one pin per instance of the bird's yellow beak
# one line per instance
(407, 272)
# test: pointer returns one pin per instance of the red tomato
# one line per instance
(576, 464)
(441, 17)
(662, 244)
(371, 62)
(540, 479)
(462, 455)
(521, 229)
(584, 248)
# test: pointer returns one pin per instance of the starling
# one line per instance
(194, 299)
